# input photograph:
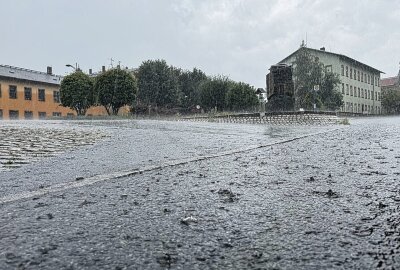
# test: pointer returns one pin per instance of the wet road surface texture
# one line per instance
(173, 195)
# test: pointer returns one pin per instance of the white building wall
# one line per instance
(368, 101)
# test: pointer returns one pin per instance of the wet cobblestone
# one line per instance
(22, 144)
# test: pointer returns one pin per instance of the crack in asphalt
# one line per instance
(82, 182)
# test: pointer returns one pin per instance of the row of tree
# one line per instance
(155, 86)
(112, 89)
(164, 87)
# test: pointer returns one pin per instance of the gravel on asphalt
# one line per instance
(329, 200)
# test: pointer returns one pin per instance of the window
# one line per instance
(368, 79)
(1, 114)
(365, 77)
(347, 71)
(372, 95)
(359, 94)
(13, 91)
(56, 114)
(56, 96)
(379, 81)
(28, 115)
(347, 89)
(351, 90)
(376, 81)
(362, 93)
(366, 94)
(351, 73)
(342, 70)
(362, 76)
(13, 114)
(42, 115)
(28, 93)
(41, 95)
(328, 68)
(358, 75)
(379, 96)
(342, 87)
(376, 95)
(369, 94)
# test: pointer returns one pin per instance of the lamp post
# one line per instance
(76, 68)
(316, 89)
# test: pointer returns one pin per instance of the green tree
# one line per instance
(308, 72)
(213, 91)
(330, 96)
(240, 96)
(158, 84)
(115, 88)
(391, 101)
(189, 85)
(76, 92)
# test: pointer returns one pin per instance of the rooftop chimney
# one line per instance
(49, 70)
(103, 69)
(90, 71)
(322, 49)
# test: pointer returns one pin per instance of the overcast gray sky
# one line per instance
(238, 38)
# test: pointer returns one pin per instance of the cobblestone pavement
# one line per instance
(324, 201)
(26, 144)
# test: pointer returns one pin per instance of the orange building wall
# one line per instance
(49, 106)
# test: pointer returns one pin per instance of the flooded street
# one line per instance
(178, 195)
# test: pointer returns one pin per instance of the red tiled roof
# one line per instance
(390, 81)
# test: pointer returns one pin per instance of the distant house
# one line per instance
(360, 83)
(391, 83)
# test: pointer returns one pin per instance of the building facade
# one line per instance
(360, 83)
(391, 83)
(29, 94)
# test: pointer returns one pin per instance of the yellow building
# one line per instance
(29, 94)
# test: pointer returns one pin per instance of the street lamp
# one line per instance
(74, 67)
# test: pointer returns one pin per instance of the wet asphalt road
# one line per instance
(326, 201)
